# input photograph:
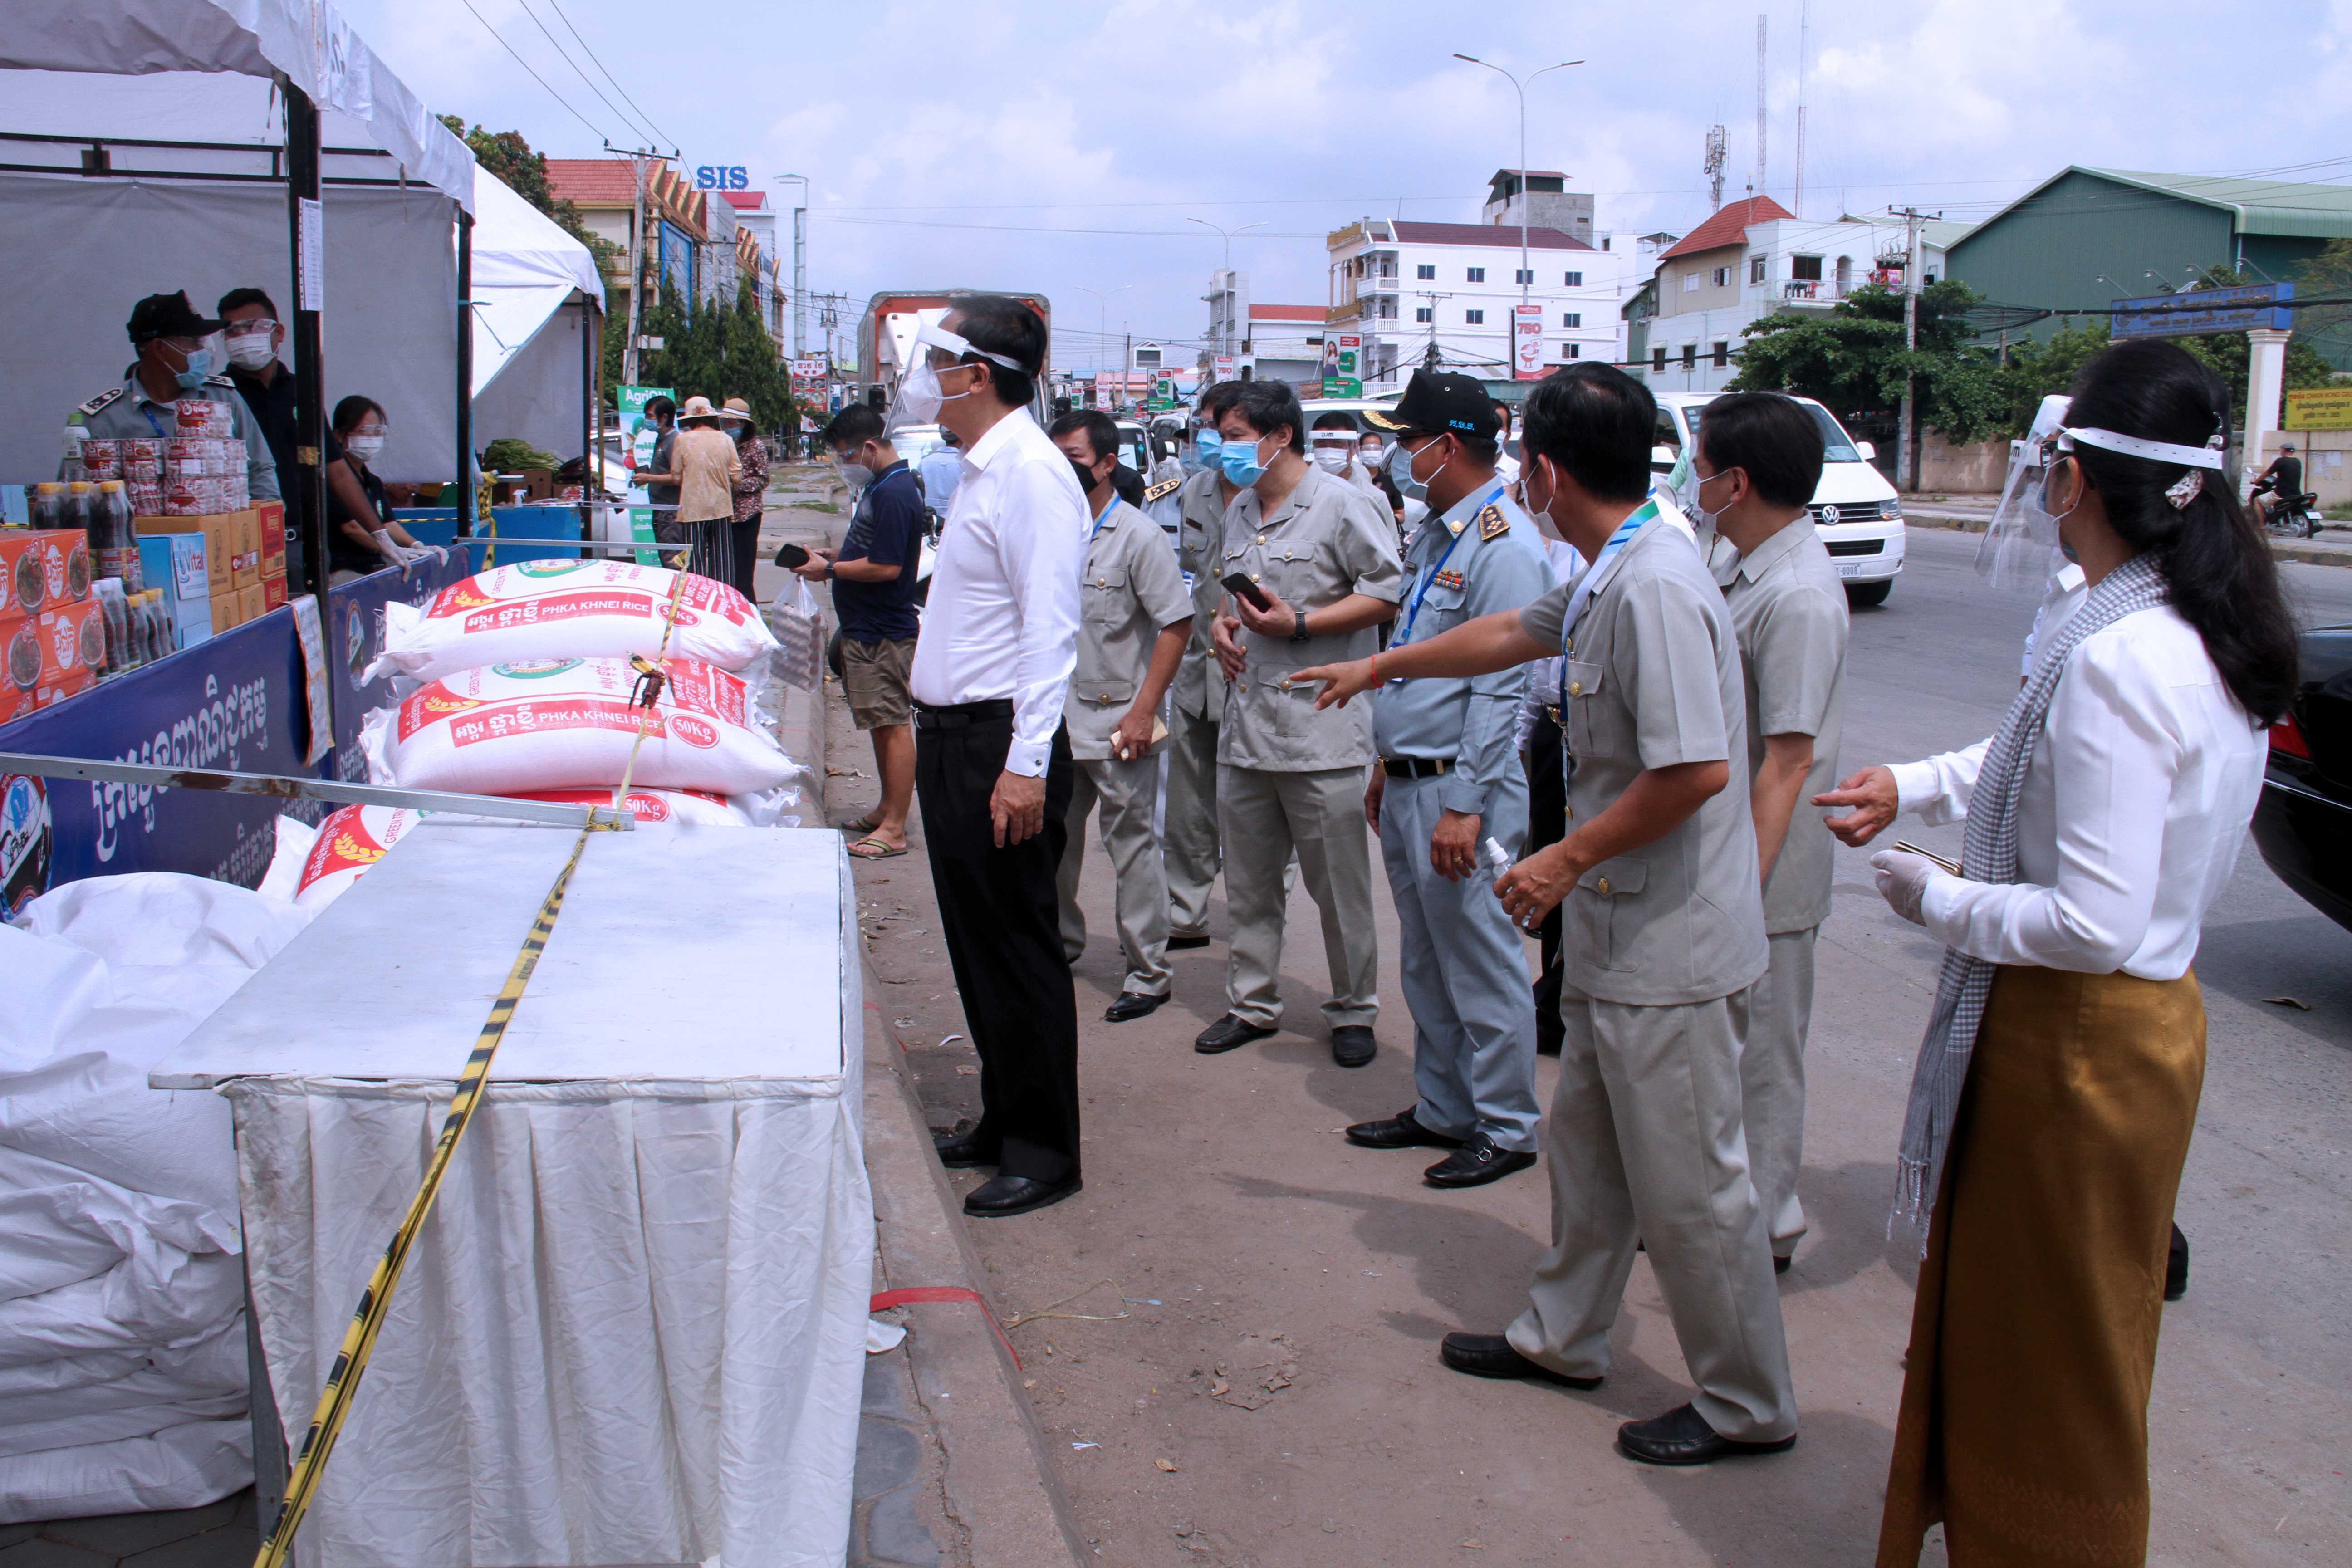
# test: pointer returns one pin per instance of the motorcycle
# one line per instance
(2288, 516)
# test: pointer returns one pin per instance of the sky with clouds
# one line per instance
(1062, 148)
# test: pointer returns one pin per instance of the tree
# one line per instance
(717, 353)
(1852, 359)
(2326, 276)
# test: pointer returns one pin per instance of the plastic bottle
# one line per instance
(113, 548)
(46, 506)
(75, 513)
(69, 456)
(159, 626)
(121, 645)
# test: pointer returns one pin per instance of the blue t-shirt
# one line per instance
(886, 528)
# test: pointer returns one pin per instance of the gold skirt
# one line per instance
(2024, 1418)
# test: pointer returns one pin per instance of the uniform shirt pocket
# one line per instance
(1608, 911)
(1441, 610)
(1579, 704)
(1105, 598)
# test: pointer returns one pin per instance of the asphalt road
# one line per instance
(1233, 1241)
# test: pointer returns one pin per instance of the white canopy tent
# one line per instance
(534, 290)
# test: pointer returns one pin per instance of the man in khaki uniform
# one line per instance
(1757, 462)
(1319, 560)
(1133, 616)
(1665, 934)
(1195, 510)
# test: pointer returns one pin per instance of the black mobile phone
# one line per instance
(1239, 583)
(792, 556)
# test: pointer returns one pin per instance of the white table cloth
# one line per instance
(632, 1330)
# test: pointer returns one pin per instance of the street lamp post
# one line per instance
(1227, 236)
(1526, 274)
(1102, 325)
(800, 268)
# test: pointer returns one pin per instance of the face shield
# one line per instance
(2019, 549)
(920, 396)
(1330, 449)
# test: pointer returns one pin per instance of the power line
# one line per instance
(535, 75)
(525, 7)
(660, 134)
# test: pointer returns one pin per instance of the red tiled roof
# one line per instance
(592, 180)
(1286, 313)
(1486, 234)
(1728, 226)
(747, 201)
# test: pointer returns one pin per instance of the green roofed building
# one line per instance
(2085, 237)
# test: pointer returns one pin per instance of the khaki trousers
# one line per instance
(1772, 1083)
(1191, 817)
(1126, 793)
(1264, 816)
(1645, 1140)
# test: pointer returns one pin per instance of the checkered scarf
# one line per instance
(1989, 854)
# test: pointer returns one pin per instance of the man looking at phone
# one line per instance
(1310, 566)
(1133, 618)
(872, 578)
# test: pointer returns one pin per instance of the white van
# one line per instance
(1858, 511)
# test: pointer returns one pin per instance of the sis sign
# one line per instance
(722, 178)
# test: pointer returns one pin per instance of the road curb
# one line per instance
(1002, 1489)
(2311, 553)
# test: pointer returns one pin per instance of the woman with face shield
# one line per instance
(360, 543)
(2056, 1088)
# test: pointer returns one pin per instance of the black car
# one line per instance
(2304, 825)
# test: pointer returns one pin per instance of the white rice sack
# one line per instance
(688, 805)
(569, 609)
(569, 724)
(343, 847)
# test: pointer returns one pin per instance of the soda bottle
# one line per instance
(159, 618)
(79, 494)
(121, 645)
(115, 549)
(45, 508)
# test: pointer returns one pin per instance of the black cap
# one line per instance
(168, 316)
(1440, 405)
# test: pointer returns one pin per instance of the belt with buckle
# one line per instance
(962, 714)
(1416, 767)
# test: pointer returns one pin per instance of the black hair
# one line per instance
(1332, 419)
(1003, 325)
(1126, 484)
(2216, 566)
(237, 299)
(1595, 422)
(1216, 399)
(1387, 486)
(1771, 439)
(1269, 406)
(1101, 430)
(354, 408)
(658, 408)
(852, 427)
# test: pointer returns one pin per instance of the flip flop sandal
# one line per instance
(881, 849)
(863, 824)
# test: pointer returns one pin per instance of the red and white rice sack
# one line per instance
(568, 723)
(313, 866)
(569, 609)
(692, 806)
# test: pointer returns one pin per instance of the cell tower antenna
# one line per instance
(1804, 43)
(1717, 157)
(1761, 164)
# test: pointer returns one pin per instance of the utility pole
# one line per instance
(1761, 166)
(1527, 276)
(1804, 38)
(638, 156)
(1905, 475)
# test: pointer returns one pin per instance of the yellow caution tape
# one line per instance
(375, 1302)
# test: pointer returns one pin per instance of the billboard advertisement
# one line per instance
(1343, 366)
(1526, 343)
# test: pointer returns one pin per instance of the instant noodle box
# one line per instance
(270, 516)
(41, 568)
(51, 655)
(273, 589)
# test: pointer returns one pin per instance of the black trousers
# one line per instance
(1546, 824)
(714, 546)
(1002, 916)
(743, 535)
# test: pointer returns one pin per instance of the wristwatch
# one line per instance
(1299, 633)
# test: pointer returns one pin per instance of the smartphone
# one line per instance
(1240, 584)
(792, 556)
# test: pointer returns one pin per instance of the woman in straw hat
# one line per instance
(704, 467)
(750, 491)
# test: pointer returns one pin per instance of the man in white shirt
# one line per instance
(992, 770)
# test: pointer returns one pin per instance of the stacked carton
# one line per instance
(245, 560)
(52, 633)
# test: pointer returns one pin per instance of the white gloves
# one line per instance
(1901, 877)
(400, 554)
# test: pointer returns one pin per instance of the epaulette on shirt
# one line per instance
(1492, 524)
(102, 400)
(221, 381)
(1164, 488)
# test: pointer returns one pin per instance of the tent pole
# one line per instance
(465, 374)
(588, 477)
(306, 224)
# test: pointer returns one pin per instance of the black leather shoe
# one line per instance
(962, 1151)
(1226, 1033)
(1353, 1045)
(1007, 1195)
(1399, 1132)
(1178, 940)
(1682, 1436)
(1780, 1265)
(1475, 1163)
(1491, 1355)
(2175, 1266)
(1132, 1005)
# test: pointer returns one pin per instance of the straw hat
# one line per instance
(698, 407)
(735, 408)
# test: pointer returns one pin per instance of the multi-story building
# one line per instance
(1749, 260)
(1450, 290)
(1280, 343)
(676, 220)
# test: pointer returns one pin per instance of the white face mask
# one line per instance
(920, 396)
(1331, 459)
(1544, 524)
(250, 350)
(366, 448)
(1693, 505)
(856, 475)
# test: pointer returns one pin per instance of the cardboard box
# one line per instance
(245, 549)
(192, 622)
(273, 592)
(539, 483)
(174, 564)
(40, 568)
(270, 516)
(217, 534)
(249, 605)
(52, 655)
(223, 613)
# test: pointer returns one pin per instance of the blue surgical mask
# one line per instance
(1401, 474)
(198, 371)
(1240, 461)
(1206, 444)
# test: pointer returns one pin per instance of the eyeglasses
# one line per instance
(249, 327)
